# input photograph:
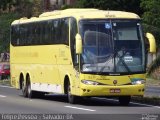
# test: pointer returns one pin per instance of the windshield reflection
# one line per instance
(111, 46)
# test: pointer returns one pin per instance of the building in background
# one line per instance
(70, 2)
(50, 5)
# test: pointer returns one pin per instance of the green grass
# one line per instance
(5, 82)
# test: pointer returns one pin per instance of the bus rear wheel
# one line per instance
(24, 89)
(124, 100)
(34, 94)
(31, 93)
(71, 98)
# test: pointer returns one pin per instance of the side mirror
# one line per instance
(78, 44)
(152, 42)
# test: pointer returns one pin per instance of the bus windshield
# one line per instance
(112, 46)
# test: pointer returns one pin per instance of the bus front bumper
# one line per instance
(99, 90)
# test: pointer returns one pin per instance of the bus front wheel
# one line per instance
(124, 100)
(71, 98)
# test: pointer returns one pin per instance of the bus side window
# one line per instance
(42, 33)
(73, 32)
(47, 38)
(65, 31)
(20, 35)
(52, 32)
(29, 35)
(25, 33)
(49, 32)
(57, 31)
(14, 35)
(33, 34)
(37, 34)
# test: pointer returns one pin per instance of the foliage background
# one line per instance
(148, 10)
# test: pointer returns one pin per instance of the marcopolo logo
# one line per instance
(114, 82)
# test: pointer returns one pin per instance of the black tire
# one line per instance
(31, 93)
(24, 89)
(72, 99)
(124, 100)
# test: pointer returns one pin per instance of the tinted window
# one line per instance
(41, 33)
(15, 35)
(73, 32)
(65, 31)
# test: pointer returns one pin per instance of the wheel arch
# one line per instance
(67, 79)
(21, 79)
(28, 76)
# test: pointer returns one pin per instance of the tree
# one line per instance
(151, 17)
(5, 21)
(124, 5)
(6, 4)
(151, 20)
(37, 7)
(23, 8)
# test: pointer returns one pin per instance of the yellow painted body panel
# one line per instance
(45, 64)
(126, 90)
(123, 83)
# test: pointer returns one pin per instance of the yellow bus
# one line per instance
(80, 53)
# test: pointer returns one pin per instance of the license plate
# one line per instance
(115, 90)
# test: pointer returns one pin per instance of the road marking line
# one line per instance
(6, 86)
(3, 96)
(130, 102)
(80, 108)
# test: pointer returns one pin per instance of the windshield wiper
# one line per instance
(114, 55)
(123, 62)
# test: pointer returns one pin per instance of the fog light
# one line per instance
(88, 90)
(84, 90)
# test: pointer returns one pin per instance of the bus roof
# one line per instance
(80, 14)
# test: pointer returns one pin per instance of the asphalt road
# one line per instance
(152, 91)
(56, 107)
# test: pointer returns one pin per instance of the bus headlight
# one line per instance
(138, 82)
(89, 82)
